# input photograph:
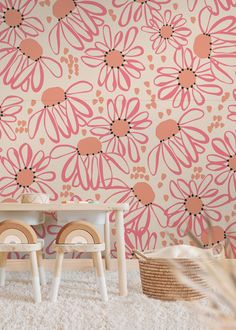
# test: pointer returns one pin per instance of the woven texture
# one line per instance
(159, 280)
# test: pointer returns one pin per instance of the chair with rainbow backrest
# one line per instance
(17, 236)
(79, 236)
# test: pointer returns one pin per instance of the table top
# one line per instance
(52, 207)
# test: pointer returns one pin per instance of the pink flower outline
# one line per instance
(64, 114)
(26, 172)
(180, 144)
(22, 25)
(195, 203)
(223, 161)
(167, 30)
(9, 108)
(188, 78)
(120, 132)
(117, 59)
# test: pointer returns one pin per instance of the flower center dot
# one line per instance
(62, 8)
(166, 31)
(89, 146)
(120, 127)
(232, 163)
(194, 205)
(166, 129)
(53, 96)
(114, 59)
(187, 78)
(13, 17)
(144, 193)
(31, 48)
(25, 177)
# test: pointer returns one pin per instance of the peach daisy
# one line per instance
(121, 131)
(217, 42)
(77, 22)
(17, 22)
(143, 212)
(9, 108)
(167, 30)
(26, 171)
(180, 143)
(187, 81)
(195, 203)
(135, 10)
(217, 234)
(214, 6)
(232, 108)
(23, 67)
(64, 111)
(117, 58)
(223, 162)
(87, 165)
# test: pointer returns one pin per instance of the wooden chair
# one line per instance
(17, 236)
(79, 236)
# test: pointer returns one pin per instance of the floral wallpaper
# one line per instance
(123, 101)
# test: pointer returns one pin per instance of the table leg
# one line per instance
(121, 253)
(107, 243)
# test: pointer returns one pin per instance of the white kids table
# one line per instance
(34, 214)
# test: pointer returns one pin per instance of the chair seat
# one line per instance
(79, 247)
(21, 247)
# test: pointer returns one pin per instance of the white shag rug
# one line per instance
(79, 306)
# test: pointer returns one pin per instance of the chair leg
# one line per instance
(35, 277)
(57, 276)
(107, 243)
(100, 275)
(3, 261)
(42, 274)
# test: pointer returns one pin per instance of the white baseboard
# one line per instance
(68, 264)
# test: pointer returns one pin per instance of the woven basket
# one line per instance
(159, 280)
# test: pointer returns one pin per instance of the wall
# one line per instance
(123, 101)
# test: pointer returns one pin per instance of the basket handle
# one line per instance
(139, 255)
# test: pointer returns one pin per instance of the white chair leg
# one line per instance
(101, 282)
(42, 274)
(35, 277)
(107, 243)
(57, 276)
(3, 261)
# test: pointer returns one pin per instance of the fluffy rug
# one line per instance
(79, 306)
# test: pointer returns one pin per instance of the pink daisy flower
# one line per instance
(25, 172)
(180, 144)
(187, 81)
(167, 30)
(16, 21)
(23, 67)
(135, 10)
(87, 165)
(224, 161)
(10, 106)
(133, 240)
(78, 22)
(217, 43)
(195, 203)
(121, 131)
(117, 58)
(232, 108)
(216, 234)
(64, 111)
(143, 212)
(214, 6)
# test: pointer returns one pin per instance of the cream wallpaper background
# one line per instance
(123, 101)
